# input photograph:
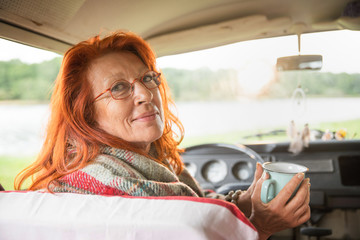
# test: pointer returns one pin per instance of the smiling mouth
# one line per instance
(146, 117)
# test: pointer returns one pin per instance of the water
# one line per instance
(22, 127)
(217, 117)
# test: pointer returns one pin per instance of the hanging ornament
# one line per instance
(298, 140)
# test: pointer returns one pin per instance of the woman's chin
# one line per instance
(145, 138)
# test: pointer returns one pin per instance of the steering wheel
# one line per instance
(224, 189)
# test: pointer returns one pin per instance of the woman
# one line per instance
(111, 132)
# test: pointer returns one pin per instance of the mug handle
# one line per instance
(267, 190)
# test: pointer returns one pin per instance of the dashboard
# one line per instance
(334, 168)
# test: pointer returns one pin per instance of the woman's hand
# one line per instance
(244, 200)
(280, 213)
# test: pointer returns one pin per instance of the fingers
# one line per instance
(304, 191)
(305, 217)
(257, 190)
(299, 205)
(302, 198)
(258, 172)
(301, 215)
(285, 194)
(257, 176)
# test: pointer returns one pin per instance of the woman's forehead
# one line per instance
(116, 65)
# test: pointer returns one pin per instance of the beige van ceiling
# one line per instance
(171, 26)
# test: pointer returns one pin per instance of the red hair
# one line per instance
(72, 125)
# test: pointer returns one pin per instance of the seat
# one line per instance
(38, 215)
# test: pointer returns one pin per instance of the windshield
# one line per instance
(234, 94)
(229, 94)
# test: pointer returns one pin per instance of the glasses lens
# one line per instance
(120, 89)
(151, 79)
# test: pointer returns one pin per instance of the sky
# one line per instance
(333, 46)
(11, 50)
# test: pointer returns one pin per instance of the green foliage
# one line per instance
(202, 84)
(21, 81)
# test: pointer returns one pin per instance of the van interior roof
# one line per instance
(170, 26)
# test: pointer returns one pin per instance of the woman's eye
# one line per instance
(120, 87)
(148, 78)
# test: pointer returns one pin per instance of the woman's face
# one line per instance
(139, 118)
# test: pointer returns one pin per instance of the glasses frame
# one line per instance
(131, 86)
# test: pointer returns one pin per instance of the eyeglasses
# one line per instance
(122, 89)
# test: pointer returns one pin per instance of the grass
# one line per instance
(10, 166)
(352, 127)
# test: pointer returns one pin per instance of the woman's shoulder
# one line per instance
(98, 177)
(105, 165)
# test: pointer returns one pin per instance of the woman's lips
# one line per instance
(145, 117)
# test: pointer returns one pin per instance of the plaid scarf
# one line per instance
(122, 172)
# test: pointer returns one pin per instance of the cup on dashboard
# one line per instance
(280, 174)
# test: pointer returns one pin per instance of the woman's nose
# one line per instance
(141, 93)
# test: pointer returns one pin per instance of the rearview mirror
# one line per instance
(299, 62)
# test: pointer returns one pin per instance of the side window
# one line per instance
(27, 75)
